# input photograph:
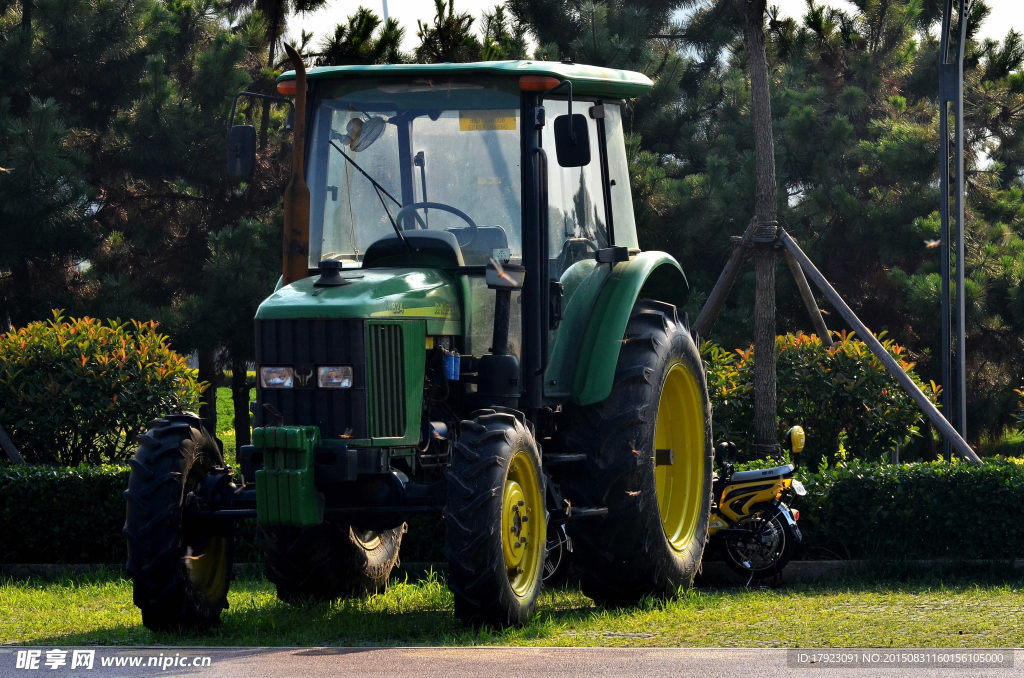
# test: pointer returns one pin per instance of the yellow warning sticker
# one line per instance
(482, 121)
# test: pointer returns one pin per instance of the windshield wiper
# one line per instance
(378, 189)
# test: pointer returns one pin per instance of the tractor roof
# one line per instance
(586, 80)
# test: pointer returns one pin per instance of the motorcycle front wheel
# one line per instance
(767, 550)
(558, 560)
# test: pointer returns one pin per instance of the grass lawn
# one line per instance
(98, 609)
(226, 421)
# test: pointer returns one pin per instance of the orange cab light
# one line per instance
(796, 514)
(537, 83)
(286, 87)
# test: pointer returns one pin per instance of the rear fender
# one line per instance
(650, 275)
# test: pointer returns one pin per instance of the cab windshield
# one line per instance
(379, 144)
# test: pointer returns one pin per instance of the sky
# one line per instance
(1005, 14)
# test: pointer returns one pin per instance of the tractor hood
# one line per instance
(380, 293)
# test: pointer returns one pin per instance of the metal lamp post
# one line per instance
(951, 91)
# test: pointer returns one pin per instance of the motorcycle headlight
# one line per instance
(277, 377)
(799, 488)
(334, 377)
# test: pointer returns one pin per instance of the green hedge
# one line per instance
(925, 510)
(854, 510)
(75, 515)
(62, 515)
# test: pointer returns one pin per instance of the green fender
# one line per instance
(651, 275)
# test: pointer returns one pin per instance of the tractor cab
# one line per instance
(476, 199)
(426, 168)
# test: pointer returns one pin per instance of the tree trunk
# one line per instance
(765, 414)
(265, 122)
(753, 27)
(765, 406)
(240, 400)
(208, 373)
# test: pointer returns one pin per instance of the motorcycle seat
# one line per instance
(761, 474)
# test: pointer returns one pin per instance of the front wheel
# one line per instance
(496, 521)
(328, 561)
(180, 565)
(767, 548)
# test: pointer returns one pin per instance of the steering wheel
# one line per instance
(412, 207)
(569, 245)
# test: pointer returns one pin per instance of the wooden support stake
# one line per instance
(9, 448)
(716, 301)
(812, 306)
(957, 443)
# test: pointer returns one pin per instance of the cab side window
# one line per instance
(576, 214)
(618, 177)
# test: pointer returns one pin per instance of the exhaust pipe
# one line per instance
(296, 194)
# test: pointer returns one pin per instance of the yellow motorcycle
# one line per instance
(756, 532)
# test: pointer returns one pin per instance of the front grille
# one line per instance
(387, 380)
(307, 344)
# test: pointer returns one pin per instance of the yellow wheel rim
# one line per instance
(680, 428)
(208, 571)
(523, 531)
(368, 538)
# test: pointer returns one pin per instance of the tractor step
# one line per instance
(577, 513)
(552, 459)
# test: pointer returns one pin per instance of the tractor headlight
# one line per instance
(334, 377)
(277, 377)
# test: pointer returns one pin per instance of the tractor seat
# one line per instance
(478, 249)
(762, 474)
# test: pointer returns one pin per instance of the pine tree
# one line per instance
(275, 13)
(116, 174)
(46, 224)
(360, 42)
(242, 266)
(449, 38)
(504, 37)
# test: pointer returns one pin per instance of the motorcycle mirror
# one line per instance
(797, 439)
(725, 452)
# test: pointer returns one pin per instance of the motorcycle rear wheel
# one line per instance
(771, 549)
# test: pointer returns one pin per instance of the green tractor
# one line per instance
(466, 331)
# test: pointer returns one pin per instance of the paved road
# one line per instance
(477, 662)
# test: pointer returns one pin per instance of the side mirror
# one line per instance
(241, 143)
(797, 439)
(572, 140)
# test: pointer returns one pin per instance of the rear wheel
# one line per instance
(180, 566)
(649, 461)
(328, 561)
(768, 548)
(495, 521)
